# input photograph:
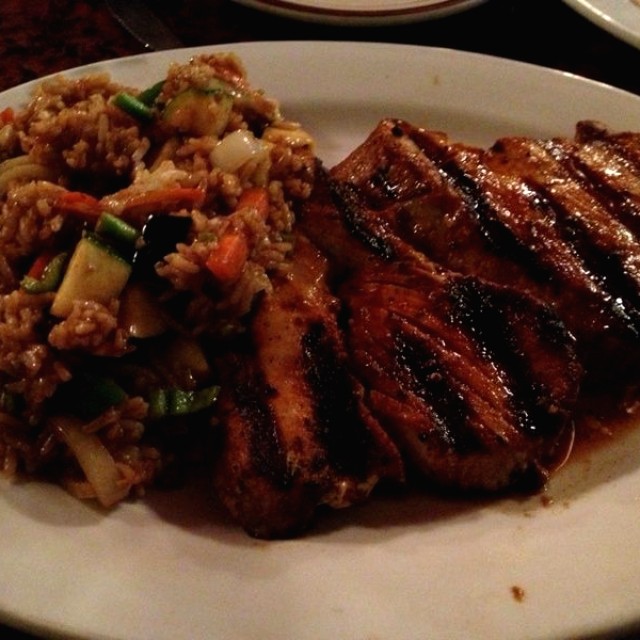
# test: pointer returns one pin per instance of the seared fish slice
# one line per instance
(296, 432)
(611, 162)
(475, 382)
(557, 218)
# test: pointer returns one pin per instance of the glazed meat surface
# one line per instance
(296, 432)
(474, 381)
(446, 306)
(557, 218)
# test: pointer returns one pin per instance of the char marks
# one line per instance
(251, 396)
(371, 234)
(491, 316)
(295, 432)
(606, 246)
(543, 216)
(443, 305)
(336, 418)
(423, 373)
(473, 381)
(501, 238)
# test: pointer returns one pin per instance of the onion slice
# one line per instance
(94, 459)
(237, 148)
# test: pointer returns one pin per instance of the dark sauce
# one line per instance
(603, 416)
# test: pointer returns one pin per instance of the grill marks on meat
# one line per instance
(296, 433)
(473, 381)
(607, 247)
(444, 325)
(557, 218)
(338, 426)
(467, 410)
(611, 161)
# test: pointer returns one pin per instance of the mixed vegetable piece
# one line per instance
(197, 111)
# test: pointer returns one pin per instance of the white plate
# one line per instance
(172, 567)
(362, 12)
(621, 18)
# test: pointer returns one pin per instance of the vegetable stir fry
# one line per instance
(137, 228)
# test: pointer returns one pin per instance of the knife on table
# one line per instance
(143, 24)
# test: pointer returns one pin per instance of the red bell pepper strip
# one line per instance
(40, 264)
(79, 204)
(45, 273)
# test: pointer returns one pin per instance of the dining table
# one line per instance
(43, 37)
(47, 36)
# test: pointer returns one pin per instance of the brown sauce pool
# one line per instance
(601, 417)
(603, 423)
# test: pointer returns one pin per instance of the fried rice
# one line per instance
(137, 228)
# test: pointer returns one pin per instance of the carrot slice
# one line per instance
(7, 115)
(227, 259)
(255, 198)
(170, 199)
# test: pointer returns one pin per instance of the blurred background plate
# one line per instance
(362, 12)
(620, 18)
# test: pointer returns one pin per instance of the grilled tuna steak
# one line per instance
(557, 218)
(296, 433)
(474, 381)
(458, 296)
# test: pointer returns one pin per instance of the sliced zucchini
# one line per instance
(215, 85)
(199, 112)
(95, 273)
